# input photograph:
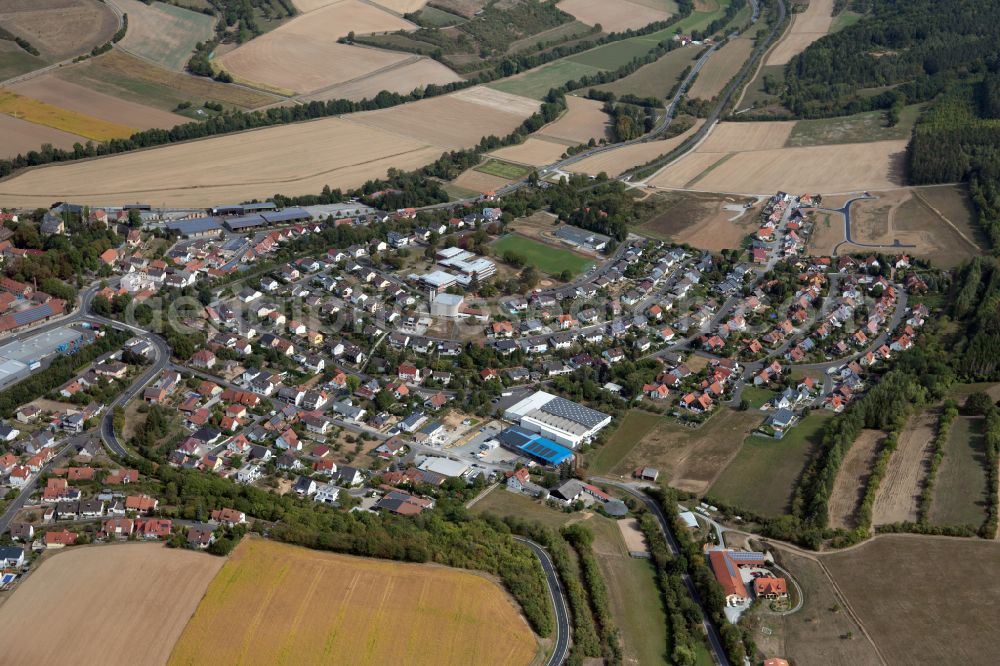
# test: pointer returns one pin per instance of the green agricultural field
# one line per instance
(504, 169)
(165, 34)
(844, 19)
(15, 61)
(762, 476)
(439, 18)
(655, 79)
(615, 54)
(558, 34)
(633, 428)
(960, 486)
(545, 258)
(859, 128)
(700, 20)
(537, 83)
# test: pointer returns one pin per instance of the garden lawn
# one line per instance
(762, 476)
(544, 257)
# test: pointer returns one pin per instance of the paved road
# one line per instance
(846, 212)
(18, 503)
(714, 641)
(558, 602)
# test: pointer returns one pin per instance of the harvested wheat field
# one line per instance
(273, 603)
(401, 78)
(533, 151)
(91, 605)
(740, 137)
(479, 181)
(303, 55)
(896, 500)
(20, 136)
(452, 121)
(59, 29)
(584, 120)
(302, 158)
(613, 15)
(163, 33)
(401, 6)
(806, 28)
(614, 162)
(923, 599)
(852, 478)
(720, 68)
(40, 113)
(877, 165)
(688, 169)
(73, 97)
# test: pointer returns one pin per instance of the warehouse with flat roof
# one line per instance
(558, 419)
(533, 446)
(196, 227)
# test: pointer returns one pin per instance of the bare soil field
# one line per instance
(687, 170)
(896, 500)
(613, 15)
(849, 487)
(91, 598)
(52, 90)
(947, 615)
(874, 166)
(452, 121)
(479, 181)
(228, 168)
(703, 221)
(635, 542)
(125, 76)
(19, 136)
(303, 55)
(691, 458)
(399, 78)
(720, 68)
(741, 137)
(806, 28)
(616, 161)
(828, 232)
(533, 152)
(272, 601)
(815, 634)
(59, 29)
(163, 33)
(584, 120)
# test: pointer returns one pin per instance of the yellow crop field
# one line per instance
(40, 113)
(277, 604)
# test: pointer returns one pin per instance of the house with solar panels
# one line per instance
(557, 419)
(533, 446)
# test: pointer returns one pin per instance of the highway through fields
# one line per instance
(558, 602)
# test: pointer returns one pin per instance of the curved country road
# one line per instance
(558, 602)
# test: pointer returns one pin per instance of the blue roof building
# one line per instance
(534, 446)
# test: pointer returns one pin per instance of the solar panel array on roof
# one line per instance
(286, 215)
(574, 412)
(745, 556)
(195, 225)
(514, 437)
(33, 314)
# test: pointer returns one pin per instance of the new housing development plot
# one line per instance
(806, 28)
(303, 55)
(302, 157)
(81, 604)
(164, 34)
(273, 600)
(924, 600)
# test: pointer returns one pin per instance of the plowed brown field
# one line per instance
(849, 487)
(806, 28)
(899, 491)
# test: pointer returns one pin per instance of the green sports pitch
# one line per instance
(545, 258)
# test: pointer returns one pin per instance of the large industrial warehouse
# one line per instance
(563, 421)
